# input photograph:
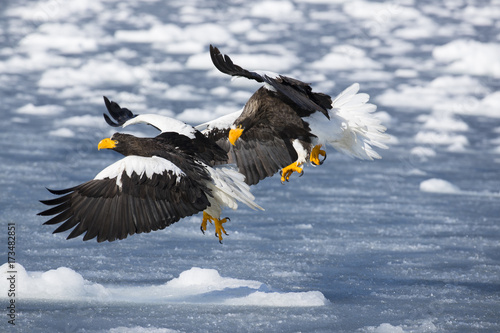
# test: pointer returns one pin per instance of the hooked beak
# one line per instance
(106, 144)
(234, 134)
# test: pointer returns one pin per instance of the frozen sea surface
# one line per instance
(409, 243)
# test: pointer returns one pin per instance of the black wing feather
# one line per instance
(301, 94)
(119, 114)
(100, 209)
(224, 64)
(297, 91)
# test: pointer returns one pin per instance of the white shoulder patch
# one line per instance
(164, 124)
(220, 123)
(140, 165)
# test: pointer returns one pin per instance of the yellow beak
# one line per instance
(106, 144)
(234, 134)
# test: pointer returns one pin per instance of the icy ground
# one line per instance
(410, 243)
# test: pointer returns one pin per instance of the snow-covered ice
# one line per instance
(409, 243)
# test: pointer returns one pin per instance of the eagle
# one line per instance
(292, 123)
(283, 125)
(160, 180)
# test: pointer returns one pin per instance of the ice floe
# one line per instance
(194, 286)
(436, 185)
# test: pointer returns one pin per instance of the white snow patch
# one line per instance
(65, 38)
(195, 115)
(63, 133)
(455, 94)
(385, 328)
(35, 61)
(299, 299)
(140, 329)
(195, 286)
(441, 138)
(157, 33)
(199, 61)
(436, 185)
(187, 47)
(424, 326)
(94, 72)
(481, 15)
(86, 120)
(203, 280)
(182, 92)
(56, 284)
(423, 152)
(346, 57)
(276, 10)
(40, 110)
(50, 10)
(406, 73)
(240, 26)
(470, 57)
(126, 53)
(488, 106)
(162, 34)
(444, 121)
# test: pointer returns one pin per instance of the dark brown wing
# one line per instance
(259, 155)
(301, 94)
(297, 91)
(100, 208)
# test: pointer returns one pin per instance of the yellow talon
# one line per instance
(219, 229)
(287, 171)
(314, 157)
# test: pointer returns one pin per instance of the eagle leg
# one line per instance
(219, 229)
(287, 171)
(314, 157)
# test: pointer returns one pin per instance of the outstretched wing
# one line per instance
(297, 91)
(133, 195)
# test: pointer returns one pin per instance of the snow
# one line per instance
(345, 57)
(469, 57)
(408, 243)
(435, 185)
(41, 110)
(94, 73)
(63, 132)
(276, 10)
(196, 285)
(71, 39)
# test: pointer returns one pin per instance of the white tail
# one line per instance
(352, 128)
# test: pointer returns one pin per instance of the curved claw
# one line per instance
(323, 160)
(287, 171)
(315, 153)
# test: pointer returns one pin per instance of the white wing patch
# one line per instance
(140, 165)
(219, 123)
(164, 124)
